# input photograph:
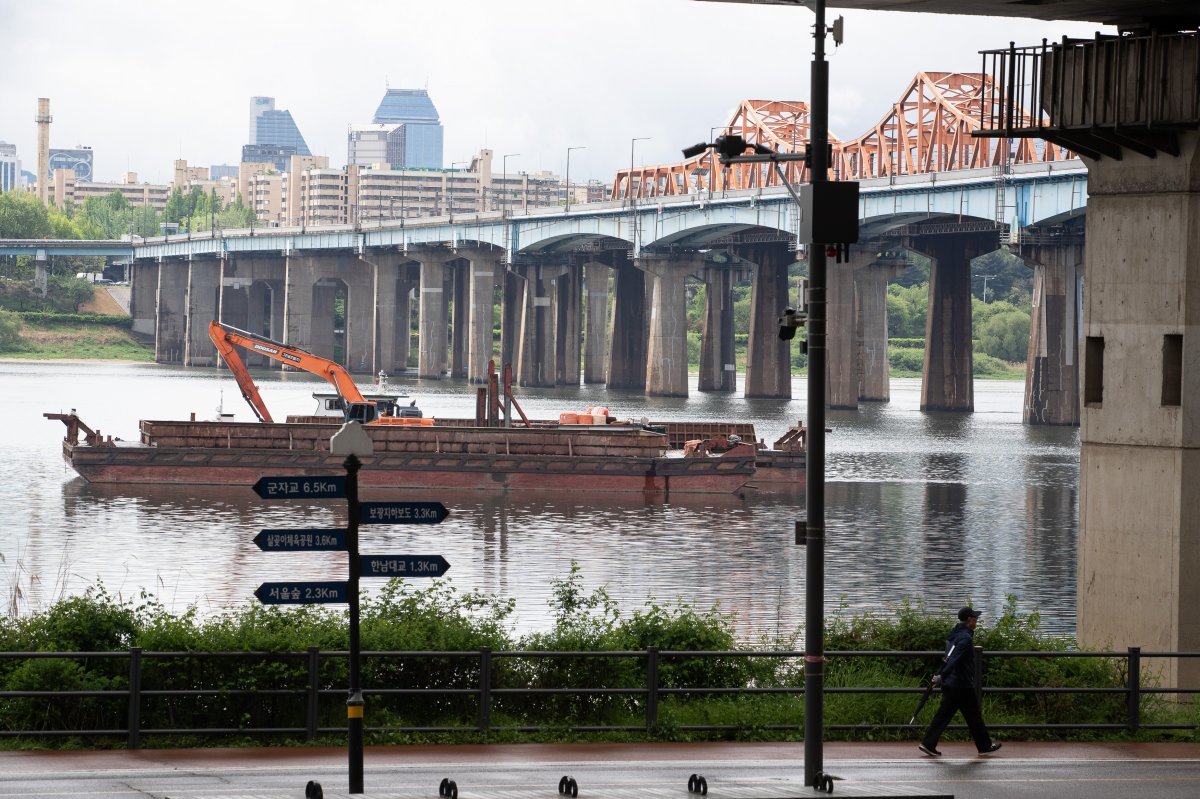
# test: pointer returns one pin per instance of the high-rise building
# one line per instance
(78, 159)
(376, 144)
(271, 126)
(280, 155)
(422, 127)
(10, 167)
(218, 171)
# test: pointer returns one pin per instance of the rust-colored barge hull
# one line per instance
(223, 453)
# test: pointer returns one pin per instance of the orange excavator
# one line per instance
(356, 407)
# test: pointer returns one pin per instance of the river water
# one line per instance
(926, 507)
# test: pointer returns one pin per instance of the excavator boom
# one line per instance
(227, 339)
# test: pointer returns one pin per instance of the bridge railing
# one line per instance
(133, 693)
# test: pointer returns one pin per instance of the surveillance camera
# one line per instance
(788, 323)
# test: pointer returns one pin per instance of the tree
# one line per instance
(22, 216)
(907, 307)
(1006, 336)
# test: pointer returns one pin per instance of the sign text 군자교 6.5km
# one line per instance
(333, 487)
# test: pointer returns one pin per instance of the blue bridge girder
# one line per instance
(1024, 196)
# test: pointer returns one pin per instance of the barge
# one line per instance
(614, 458)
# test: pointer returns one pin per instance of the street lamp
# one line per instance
(632, 143)
(811, 530)
(504, 175)
(353, 442)
(986, 278)
(568, 177)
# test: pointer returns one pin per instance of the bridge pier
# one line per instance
(251, 298)
(481, 266)
(667, 356)
(170, 321)
(947, 380)
(595, 353)
(872, 333)
(458, 276)
(627, 352)
(143, 293)
(569, 324)
(1052, 377)
(1139, 512)
(768, 359)
(434, 317)
(512, 312)
(842, 375)
(203, 288)
(537, 360)
(718, 359)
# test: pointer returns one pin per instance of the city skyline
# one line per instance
(527, 78)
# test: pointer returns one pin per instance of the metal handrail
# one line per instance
(484, 687)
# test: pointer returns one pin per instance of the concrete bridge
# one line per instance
(555, 277)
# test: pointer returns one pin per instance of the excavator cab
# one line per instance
(361, 412)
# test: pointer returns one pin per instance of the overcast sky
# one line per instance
(144, 82)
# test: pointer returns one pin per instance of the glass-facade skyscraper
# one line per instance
(422, 127)
(270, 126)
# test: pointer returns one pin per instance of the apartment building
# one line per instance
(67, 188)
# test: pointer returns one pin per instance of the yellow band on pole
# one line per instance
(354, 711)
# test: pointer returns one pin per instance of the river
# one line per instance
(926, 507)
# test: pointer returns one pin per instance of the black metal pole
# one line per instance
(354, 702)
(814, 570)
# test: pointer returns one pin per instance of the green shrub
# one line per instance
(10, 332)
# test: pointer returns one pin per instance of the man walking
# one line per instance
(957, 678)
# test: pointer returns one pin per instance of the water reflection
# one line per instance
(936, 508)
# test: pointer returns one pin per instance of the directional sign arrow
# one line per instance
(303, 593)
(404, 565)
(402, 512)
(333, 487)
(303, 540)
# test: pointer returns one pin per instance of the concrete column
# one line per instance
(667, 361)
(947, 381)
(143, 291)
(569, 322)
(768, 359)
(458, 278)
(627, 354)
(870, 291)
(1052, 375)
(537, 365)
(718, 360)
(595, 354)
(170, 321)
(1139, 460)
(842, 358)
(384, 269)
(406, 282)
(480, 344)
(322, 335)
(204, 280)
(431, 346)
(299, 277)
(512, 314)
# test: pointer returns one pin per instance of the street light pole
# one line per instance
(986, 278)
(568, 177)
(814, 570)
(504, 176)
(632, 143)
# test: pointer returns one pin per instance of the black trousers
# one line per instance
(958, 699)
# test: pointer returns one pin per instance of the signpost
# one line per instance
(353, 442)
(301, 487)
(404, 566)
(310, 540)
(403, 512)
(303, 593)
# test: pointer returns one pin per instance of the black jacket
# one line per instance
(958, 671)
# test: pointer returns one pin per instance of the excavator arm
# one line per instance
(227, 339)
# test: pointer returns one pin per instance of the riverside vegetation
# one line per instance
(440, 619)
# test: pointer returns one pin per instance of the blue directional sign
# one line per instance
(333, 487)
(297, 592)
(402, 512)
(404, 565)
(302, 540)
